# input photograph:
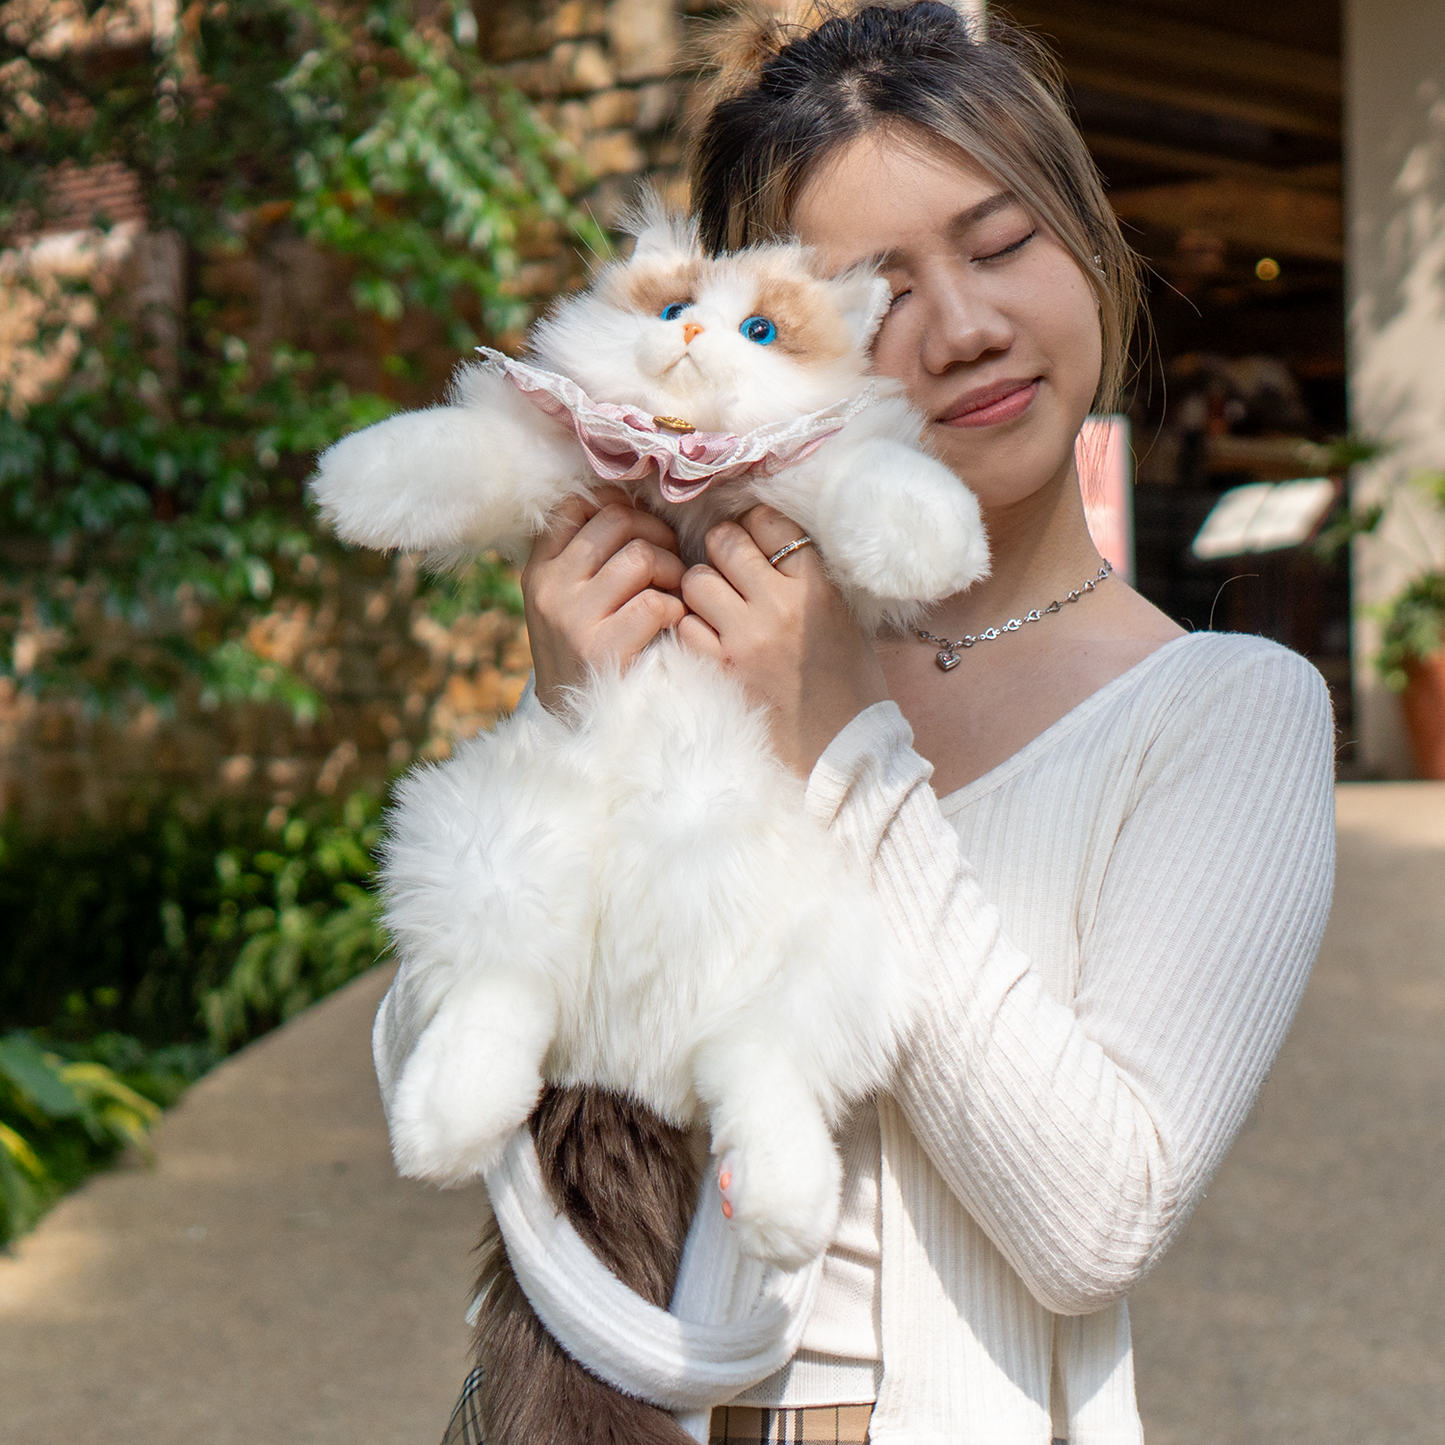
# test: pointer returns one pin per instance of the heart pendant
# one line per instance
(948, 660)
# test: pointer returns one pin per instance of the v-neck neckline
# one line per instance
(1040, 743)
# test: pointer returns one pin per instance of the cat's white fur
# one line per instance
(635, 897)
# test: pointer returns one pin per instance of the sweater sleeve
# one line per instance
(1080, 1136)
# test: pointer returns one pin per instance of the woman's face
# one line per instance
(993, 330)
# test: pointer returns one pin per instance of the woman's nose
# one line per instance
(689, 330)
(962, 327)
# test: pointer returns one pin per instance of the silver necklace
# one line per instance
(948, 657)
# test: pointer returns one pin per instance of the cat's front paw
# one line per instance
(903, 526)
(783, 1204)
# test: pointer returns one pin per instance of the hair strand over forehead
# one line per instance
(789, 94)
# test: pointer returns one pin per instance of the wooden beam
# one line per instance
(1272, 220)
(1275, 112)
(1127, 40)
(1326, 176)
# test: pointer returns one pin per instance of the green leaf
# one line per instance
(18, 1149)
(38, 1076)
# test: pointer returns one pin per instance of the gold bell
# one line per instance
(674, 423)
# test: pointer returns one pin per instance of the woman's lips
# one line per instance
(990, 405)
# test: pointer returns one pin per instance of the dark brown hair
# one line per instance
(788, 95)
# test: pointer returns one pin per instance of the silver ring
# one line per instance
(794, 546)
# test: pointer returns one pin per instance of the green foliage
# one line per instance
(85, 945)
(1414, 628)
(162, 481)
(302, 916)
(201, 930)
(489, 582)
(1342, 453)
(115, 943)
(59, 1119)
(467, 152)
(1413, 622)
(1342, 529)
(160, 485)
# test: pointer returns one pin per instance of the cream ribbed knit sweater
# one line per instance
(1117, 922)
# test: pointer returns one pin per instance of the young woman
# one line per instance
(1110, 840)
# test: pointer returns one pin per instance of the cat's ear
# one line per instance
(661, 232)
(862, 296)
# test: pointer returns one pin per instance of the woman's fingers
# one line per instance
(698, 637)
(735, 555)
(713, 597)
(604, 534)
(770, 532)
(566, 521)
(607, 515)
(632, 568)
(740, 550)
(596, 589)
(637, 622)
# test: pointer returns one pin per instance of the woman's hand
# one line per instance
(596, 590)
(785, 631)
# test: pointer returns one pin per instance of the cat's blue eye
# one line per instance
(673, 310)
(759, 329)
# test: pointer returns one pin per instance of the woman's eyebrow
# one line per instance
(957, 226)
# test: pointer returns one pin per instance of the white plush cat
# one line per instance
(634, 898)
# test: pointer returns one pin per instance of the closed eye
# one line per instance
(1009, 249)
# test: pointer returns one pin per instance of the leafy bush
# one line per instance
(302, 916)
(159, 480)
(186, 929)
(1414, 628)
(59, 1120)
(137, 959)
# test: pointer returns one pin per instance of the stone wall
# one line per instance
(610, 77)
(396, 685)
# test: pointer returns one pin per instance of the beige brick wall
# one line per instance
(395, 686)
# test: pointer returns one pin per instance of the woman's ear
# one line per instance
(862, 296)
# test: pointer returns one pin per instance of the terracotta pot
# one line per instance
(1424, 700)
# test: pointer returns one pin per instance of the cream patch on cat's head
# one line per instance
(669, 330)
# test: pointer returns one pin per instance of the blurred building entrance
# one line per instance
(1217, 124)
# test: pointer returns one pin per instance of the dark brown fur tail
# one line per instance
(628, 1182)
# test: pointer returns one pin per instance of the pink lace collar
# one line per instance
(623, 443)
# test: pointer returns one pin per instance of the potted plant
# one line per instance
(1412, 655)
(1411, 659)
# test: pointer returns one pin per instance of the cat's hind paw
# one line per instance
(783, 1205)
(471, 1081)
(729, 1180)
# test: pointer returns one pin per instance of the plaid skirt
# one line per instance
(731, 1424)
(825, 1424)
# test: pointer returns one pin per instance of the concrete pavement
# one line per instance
(270, 1280)
(1307, 1298)
(1305, 1303)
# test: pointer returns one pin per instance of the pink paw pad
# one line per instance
(727, 1183)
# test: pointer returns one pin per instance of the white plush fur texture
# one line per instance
(633, 898)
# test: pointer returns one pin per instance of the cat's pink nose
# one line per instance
(689, 330)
